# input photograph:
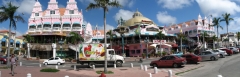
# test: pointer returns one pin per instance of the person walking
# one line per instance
(13, 61)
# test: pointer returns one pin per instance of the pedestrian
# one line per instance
(13, 61)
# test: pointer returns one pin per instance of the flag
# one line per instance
(34, 20)
(96, 28)
(137, 31)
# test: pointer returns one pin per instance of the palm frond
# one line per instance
(19, 18)
(93, 6)
(114, 3)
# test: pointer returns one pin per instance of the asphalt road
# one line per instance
(70, 65)
(227, 67)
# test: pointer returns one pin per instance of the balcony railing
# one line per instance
(76, 28)
(38, 29)
(66, 28)
(31, 30)
(56, 28)
(46, 29)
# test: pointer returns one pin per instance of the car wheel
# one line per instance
(212, 58)
(91, 64)
(45, 63)
(175, 65)
(58, 63)
(119, 63)
(221, 56)
(155, 65)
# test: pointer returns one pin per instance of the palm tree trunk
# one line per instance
(227, 36)
(9, 37)
(105, 40)
(111, 43)
(213, 44)
(181, 44)
(217, 38)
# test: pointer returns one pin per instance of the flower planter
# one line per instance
(29, 58)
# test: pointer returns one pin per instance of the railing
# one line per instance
(66, 28)
(31, 30)
(56, 28)
(46, 28)
(76, 28)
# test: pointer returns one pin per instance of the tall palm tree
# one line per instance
(111, 36)
(75, 38)
(216, 23)
(181, 36)
(104, 4)
(160, 36)
(204, 36)
(238, 36)
(214, 38)
(227, 19)
(8, 13)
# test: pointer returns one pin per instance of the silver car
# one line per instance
(235, 50)
(209, 55)
(220, 52)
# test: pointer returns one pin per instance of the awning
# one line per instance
(17, 42)
(3, 39)
(46, 22)
(11, 40)
(56, 23)
(154, 45)
(32, 25)
(174, 45)
(66, 22)
(76, 23)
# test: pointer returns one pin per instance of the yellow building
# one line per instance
(16, 43)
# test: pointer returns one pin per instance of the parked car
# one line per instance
(178, 54)
(235, 50)
(220, 52)
(229, 52)
(56, 60)
(3, 59)
(192, 58)
(209, 55)
(170, 60)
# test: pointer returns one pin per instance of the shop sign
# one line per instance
(152, 29)
(159, 41)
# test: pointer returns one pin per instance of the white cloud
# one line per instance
(108, 27)
(128, 3)
(165, 18)
(25, 6)
(218, 7)
(125, 14)
(175, 4)
(233, 26)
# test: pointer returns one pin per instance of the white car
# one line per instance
(235, 50)
(56, 60)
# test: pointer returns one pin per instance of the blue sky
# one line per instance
(162, 12)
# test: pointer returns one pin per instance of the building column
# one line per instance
(28, 46)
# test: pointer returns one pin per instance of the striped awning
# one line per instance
(66, 22)
(76, 23)
(47, 23)
(56, 23)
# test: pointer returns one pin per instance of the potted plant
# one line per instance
(159, 54)
(143, 55)
(164, 53)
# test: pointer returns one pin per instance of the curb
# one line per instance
(179, 73)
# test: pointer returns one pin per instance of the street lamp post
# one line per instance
(0, 47)
(146, 41)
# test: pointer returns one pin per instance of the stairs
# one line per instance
(74, 47)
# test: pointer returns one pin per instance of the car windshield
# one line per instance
(178, 56)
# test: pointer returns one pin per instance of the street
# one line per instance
(70, 65)
(227, 67)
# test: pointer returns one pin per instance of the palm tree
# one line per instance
(238, 36)
(204, 36)
(8, 13)
(214, 38)
(161, 36)
(181, 36)
(28, 38)
(104, 4)
(227, 19)
(75, 38)
(111, 36)
(216, 23)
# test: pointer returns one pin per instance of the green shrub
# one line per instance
(108, 72)
(49, 70)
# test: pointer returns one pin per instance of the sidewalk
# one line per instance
(138, 58)
(118, 72)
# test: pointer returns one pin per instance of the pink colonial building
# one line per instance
(53, 25)
(193, 28)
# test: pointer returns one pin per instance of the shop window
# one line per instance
(138, 51)
(133, 51)
(144, 51)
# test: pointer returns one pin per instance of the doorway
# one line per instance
(127, 53)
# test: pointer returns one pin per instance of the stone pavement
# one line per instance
(118, 72)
